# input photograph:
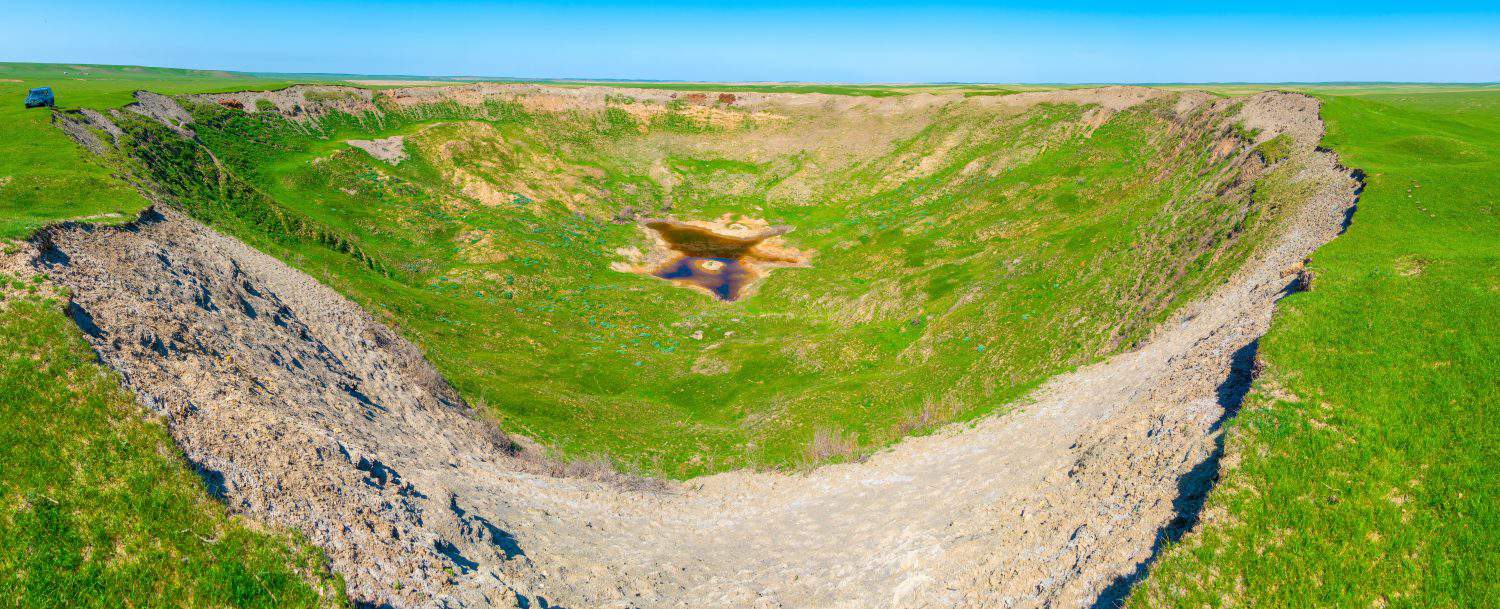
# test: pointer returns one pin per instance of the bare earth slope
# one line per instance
(304, 412)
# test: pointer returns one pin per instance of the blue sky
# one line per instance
(1205, 41)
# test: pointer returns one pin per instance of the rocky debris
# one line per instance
(99, 121)
(300, 103)
(76, 125)
(81, 126)
(627, 214)
(302, 411)
(285, 396)
(1272, 114)
(164, 110)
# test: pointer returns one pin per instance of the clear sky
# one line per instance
(747, 40)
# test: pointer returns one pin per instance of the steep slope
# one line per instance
(97, 507)
(305, 411)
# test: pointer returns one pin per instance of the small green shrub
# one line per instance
(327, 96)
(1246, 134)
(1275, 149)
(618, 121)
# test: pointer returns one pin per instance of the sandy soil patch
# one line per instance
(391, 150)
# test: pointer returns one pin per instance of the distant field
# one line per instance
(1343, 89)
(44, 176)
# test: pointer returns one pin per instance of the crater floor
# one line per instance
(950, 253)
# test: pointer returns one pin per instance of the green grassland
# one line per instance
(1357, 474)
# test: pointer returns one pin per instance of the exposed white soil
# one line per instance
(303, 411)
(390, 149)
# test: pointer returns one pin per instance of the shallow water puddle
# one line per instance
(725, 277)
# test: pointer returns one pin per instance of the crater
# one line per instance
(724, 258)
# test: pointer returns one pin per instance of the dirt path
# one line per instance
(302, 411)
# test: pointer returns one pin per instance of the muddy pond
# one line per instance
(721, 264)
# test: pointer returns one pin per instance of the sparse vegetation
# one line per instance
(328, 96)
(1243, 133)
(831, 446)
(1276, 149)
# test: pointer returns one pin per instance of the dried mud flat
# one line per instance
(302, 411)
(391, 149)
